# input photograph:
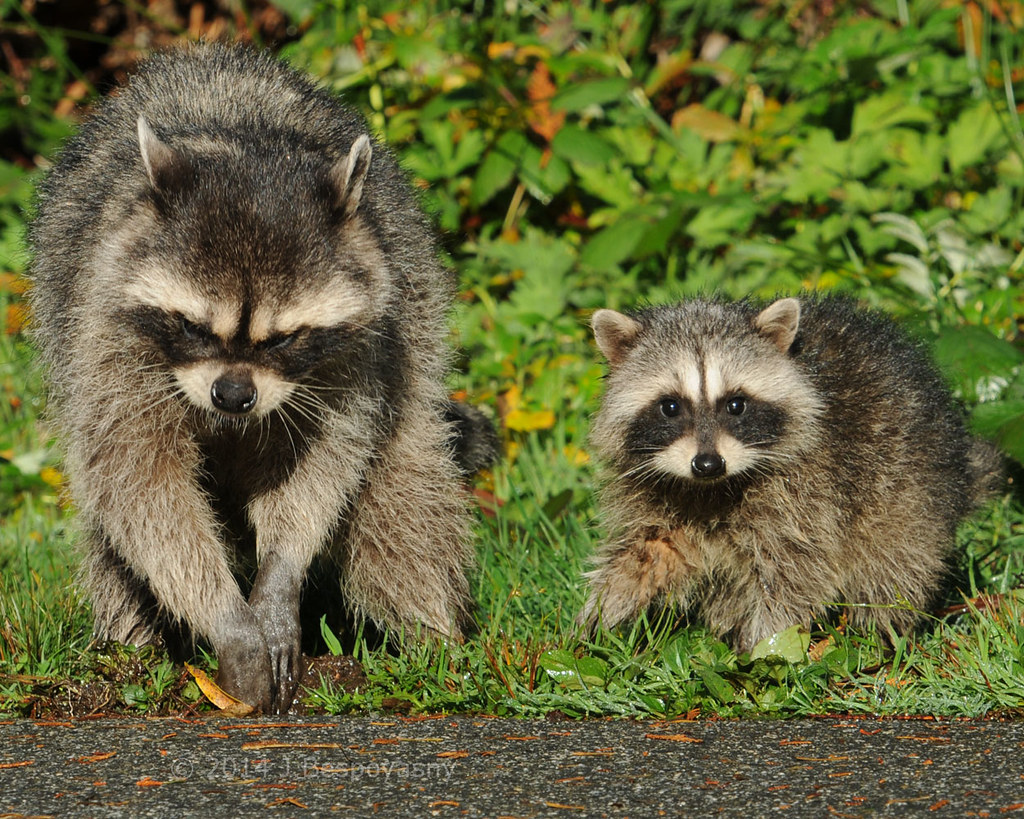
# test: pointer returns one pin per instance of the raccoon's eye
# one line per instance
(193, 331)
(736, 406)
(670, 407)
(278, 342)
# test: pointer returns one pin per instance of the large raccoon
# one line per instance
(768, 462)
(244, 321)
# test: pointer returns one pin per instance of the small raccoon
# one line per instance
(243, 316)
(768, 462)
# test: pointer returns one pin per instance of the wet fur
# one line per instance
(853, 498)
(221, 181)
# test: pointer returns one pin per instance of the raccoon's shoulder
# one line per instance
(855, 348)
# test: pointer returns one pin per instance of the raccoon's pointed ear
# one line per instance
(778, 322)
(165, 167)
(614, 333)
(348, 175)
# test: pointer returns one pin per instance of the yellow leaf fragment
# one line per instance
(529, 421)
(215, 694)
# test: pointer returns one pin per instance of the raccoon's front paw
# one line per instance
(285, 645)
(244, 672)
(629, 579)
(279, 622)
(609, 602)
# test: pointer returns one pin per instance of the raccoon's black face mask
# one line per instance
(254, 284)
(702, 394)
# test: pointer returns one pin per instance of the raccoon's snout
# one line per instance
(234, 392)
(708, 465)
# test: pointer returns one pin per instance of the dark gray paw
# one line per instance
(245, 672)
(275, 603)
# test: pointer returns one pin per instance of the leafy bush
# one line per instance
(581, 156)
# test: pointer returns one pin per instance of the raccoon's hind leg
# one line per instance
(407, 549)
(632, 573)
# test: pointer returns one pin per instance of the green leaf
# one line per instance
(903, 227)
(915, 160)
(544, 176)
(678, 656)
(885, 111)
(976, 361)
(595, 92)
(806, 183)
(568, 671)
(613, 245)
(976, 132)
(494, 174)
(611, 182)
(593, 671)
(1002, 421)
(575, 144)
(134, 694)
(720, 224)
(790, 644)
(330, 640)
(989, 211)
(717, 686)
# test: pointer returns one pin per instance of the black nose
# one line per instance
(234, 392)
(707, 465)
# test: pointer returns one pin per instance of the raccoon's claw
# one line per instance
(285, 662)
(275, 602)
(283, 640)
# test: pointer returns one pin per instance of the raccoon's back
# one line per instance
(890, 424)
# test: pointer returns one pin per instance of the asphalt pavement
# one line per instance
(465, 766)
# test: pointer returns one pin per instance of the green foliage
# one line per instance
(583, 155)
(580, 157)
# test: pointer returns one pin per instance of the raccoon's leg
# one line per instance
(781, 586)
(632, 573)
(892, 590)
(750, 617)
(136, 474)
(407, 548)
(275, 602)
(123, 607)
(294, 521)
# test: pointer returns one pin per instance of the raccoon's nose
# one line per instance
(707, 465)
(234, 393)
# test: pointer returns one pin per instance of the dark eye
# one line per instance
(193, 331)
(279, 342)
(670, 407)
(736, 406)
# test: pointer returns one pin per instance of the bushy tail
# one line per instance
(473, 438)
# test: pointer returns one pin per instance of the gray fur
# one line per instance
(857, 470)
(243, 316)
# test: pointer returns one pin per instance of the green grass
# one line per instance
(780, 164)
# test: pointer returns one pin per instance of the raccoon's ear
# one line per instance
(348, 175)
(614, 333)
(165, 167)
(778, 322)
